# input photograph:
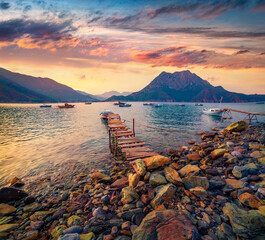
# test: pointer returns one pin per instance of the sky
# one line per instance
(103, 45)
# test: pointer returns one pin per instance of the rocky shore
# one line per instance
(213, 189)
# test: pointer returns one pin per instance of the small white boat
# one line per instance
(198, 104)
(156, 105)
(217, 112)
(125, 105)
(45, 106)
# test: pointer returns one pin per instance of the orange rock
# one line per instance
(156, 162)
(194, 157)
(250, 200)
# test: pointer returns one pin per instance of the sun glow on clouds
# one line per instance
(125, 50)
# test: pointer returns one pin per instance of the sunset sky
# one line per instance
(105, 45)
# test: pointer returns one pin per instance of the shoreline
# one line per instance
(212, 187)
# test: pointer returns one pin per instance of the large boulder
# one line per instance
(165, 225)
(246, 224)
(8, 194)
(163, 194)
(238, 126)
(156, 162)
(172, 176)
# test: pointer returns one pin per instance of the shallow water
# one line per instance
(36, 142)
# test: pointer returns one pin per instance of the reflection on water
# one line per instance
(35, 141)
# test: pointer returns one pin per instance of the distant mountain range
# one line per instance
(187, 87)
(17, 87)
(109, 94)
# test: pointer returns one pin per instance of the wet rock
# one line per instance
(156, 162)
(100, 177)
(88, 236)
(172, 176)
(246, 224)
(8, 194)
(57, 231)
(36, 225)
(129, 214)
(74, 220)
(98, 213)
(29, 200)
(134, 179)
(129, 195)
(140, 167)
(120, 183)
(261, 161)
(240, 171)
(194, 157)
(199, 192)
(163, 194)
(218, 153)
(73, 229)
(250, 200)
(256, 154)
(189, 170)
(59, 213)
(157, 179)
(195, 181)
(208, 135)
(72, 236)
(237, 154)
(16, 182)
(40, 215)
(164, 225)
(233, 184)
(211, 171)
(229, 144)
(238, 126)
(6, 209)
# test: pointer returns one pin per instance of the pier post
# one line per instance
(133, 128)
(110, 140)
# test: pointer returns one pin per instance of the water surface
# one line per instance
(36, 142)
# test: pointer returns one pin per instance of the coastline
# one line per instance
(214, 187)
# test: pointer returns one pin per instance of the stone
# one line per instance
(59, 213)
(246, 224)
(73, 229)
(195, 181)
(5, 220)
(134, 179)
(8, 194)
(8, 227)
(208, 135)
(256, 154)
(98, 212)
(199, 192)
(6, 209)
(40, 215)
(229, 144)
(189, 170)
(156, 162)
(172, 176)
(36, 225)
(163, 194)
(126, 225)
(88, 236)
(233, 184)
(237, 154)
(218, 153)
(238, 126)
(165, 225)
(100, 177)
(120, 183)
(157, 179)
(16, 182)
(194, 157)
(74, 220)
(240, 171)
(57, 231)
(72, 236)
(129, 195)
(139, 167)
(211, 171)
(250, 200)
(261, 161)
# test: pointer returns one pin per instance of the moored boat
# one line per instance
(217, 112)
(179, 104)
(125, 105)
(148, 104)
(156, 105)
(45, 106)
(88, 102)
(66, 105)
(198, 104)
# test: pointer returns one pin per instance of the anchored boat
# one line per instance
(66, 105)
(125, 105)
(45, 106)
(217, 112)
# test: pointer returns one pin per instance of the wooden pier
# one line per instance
(249, 115)
(122, 140)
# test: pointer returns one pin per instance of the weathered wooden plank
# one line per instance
(138, 149)
(132, 145)
(140, 156)
(134, 154)
(124, 134)
(116, 126)
(129, 140)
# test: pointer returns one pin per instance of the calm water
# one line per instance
(36, 142)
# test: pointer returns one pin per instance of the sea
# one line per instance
(38, 142)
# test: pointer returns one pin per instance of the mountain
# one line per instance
(45, 87)
(109, 94)
(12, 93)
(188, 87)
(88, 95)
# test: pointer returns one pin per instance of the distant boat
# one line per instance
(45, 106)
(213, 111)
(198, 104)
(148, 104)
(156, 105)
(66, 105)
(259, 102)
(180, 104)
(88, 102)
(119, 102)
(125, 105)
